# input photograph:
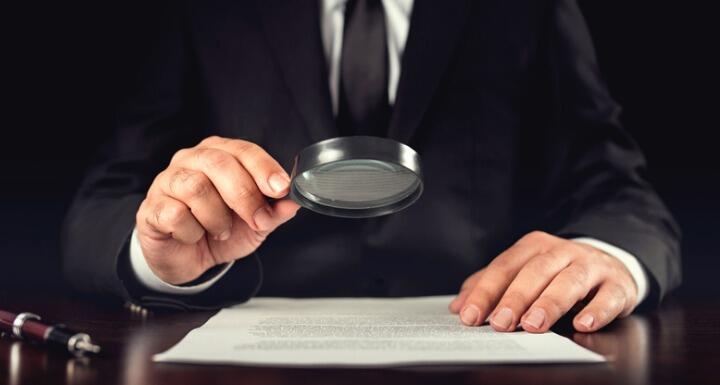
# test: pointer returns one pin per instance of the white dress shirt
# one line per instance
(397, 19)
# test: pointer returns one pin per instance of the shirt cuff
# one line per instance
(151, 281)
(627, 259)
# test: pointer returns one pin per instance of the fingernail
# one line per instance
(278, 182)
(469, 315)
(586, 321)
(225, 235)
(262, 218)
(535, 318)
(503, 318)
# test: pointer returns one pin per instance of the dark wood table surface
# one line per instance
(676, 344)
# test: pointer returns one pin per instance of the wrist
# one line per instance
(148, 278)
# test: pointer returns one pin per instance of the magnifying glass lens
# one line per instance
(356, 177)
(357, 184)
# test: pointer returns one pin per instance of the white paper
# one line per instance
(361, 332)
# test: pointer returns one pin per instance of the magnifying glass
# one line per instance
(356, 177)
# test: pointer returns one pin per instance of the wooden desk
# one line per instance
(677, 344)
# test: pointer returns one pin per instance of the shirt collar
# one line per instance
(332, 5)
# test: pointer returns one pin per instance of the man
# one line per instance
(502, 100)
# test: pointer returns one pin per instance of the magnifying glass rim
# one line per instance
(350, 148)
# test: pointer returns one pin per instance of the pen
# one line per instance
(28, 326)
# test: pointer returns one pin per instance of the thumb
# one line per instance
(282, 211)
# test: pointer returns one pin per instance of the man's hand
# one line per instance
(542, 277)
(209, 207)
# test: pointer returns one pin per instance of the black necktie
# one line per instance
(363, 107)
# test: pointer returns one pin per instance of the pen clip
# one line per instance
(20, 321)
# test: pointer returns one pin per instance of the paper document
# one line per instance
(361, 332)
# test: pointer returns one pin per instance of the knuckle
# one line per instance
(480, 296)
(578, 275)
(606, 309)
(195, 186)
(502, 265)
(160, 180)
(542, 263)
(248, 150)
(214, 158)
(243, 198)
(180, 154)
(244, 147)
(210, 140)
(471, 280)
(569, 249)
(185, 184)
(175, 180)
(244, 193)
(602, 313)
(170, 215)
(588, 250)
(615, 290)
(497, 264)
(552, 306)
(142, 211)
(515, 299)
(614, 303)
(499, 271)
(610, 265)
(535, 236)
(619, 296)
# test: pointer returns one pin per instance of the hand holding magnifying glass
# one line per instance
(210, 205)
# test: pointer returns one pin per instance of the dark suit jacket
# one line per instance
(502, 99)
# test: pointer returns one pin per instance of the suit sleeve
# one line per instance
(153, 121)
(597, 186)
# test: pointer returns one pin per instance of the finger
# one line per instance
(458, 301)
(609, 303)
(195, 190)
(529, 283)
(566, 289)
(285, 209)
(168, 217)
(498, 275)
(470, 282)
(494, 281)
(235, 185)
(269, 176)
(281, 212)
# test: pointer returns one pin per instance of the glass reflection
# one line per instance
(625, 344)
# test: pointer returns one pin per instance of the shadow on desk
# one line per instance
(675, 344)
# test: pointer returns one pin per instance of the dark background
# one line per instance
(65, 64)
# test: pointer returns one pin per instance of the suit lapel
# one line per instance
(293, 31)
(434, 28)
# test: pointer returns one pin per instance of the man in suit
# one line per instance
(534, 202)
